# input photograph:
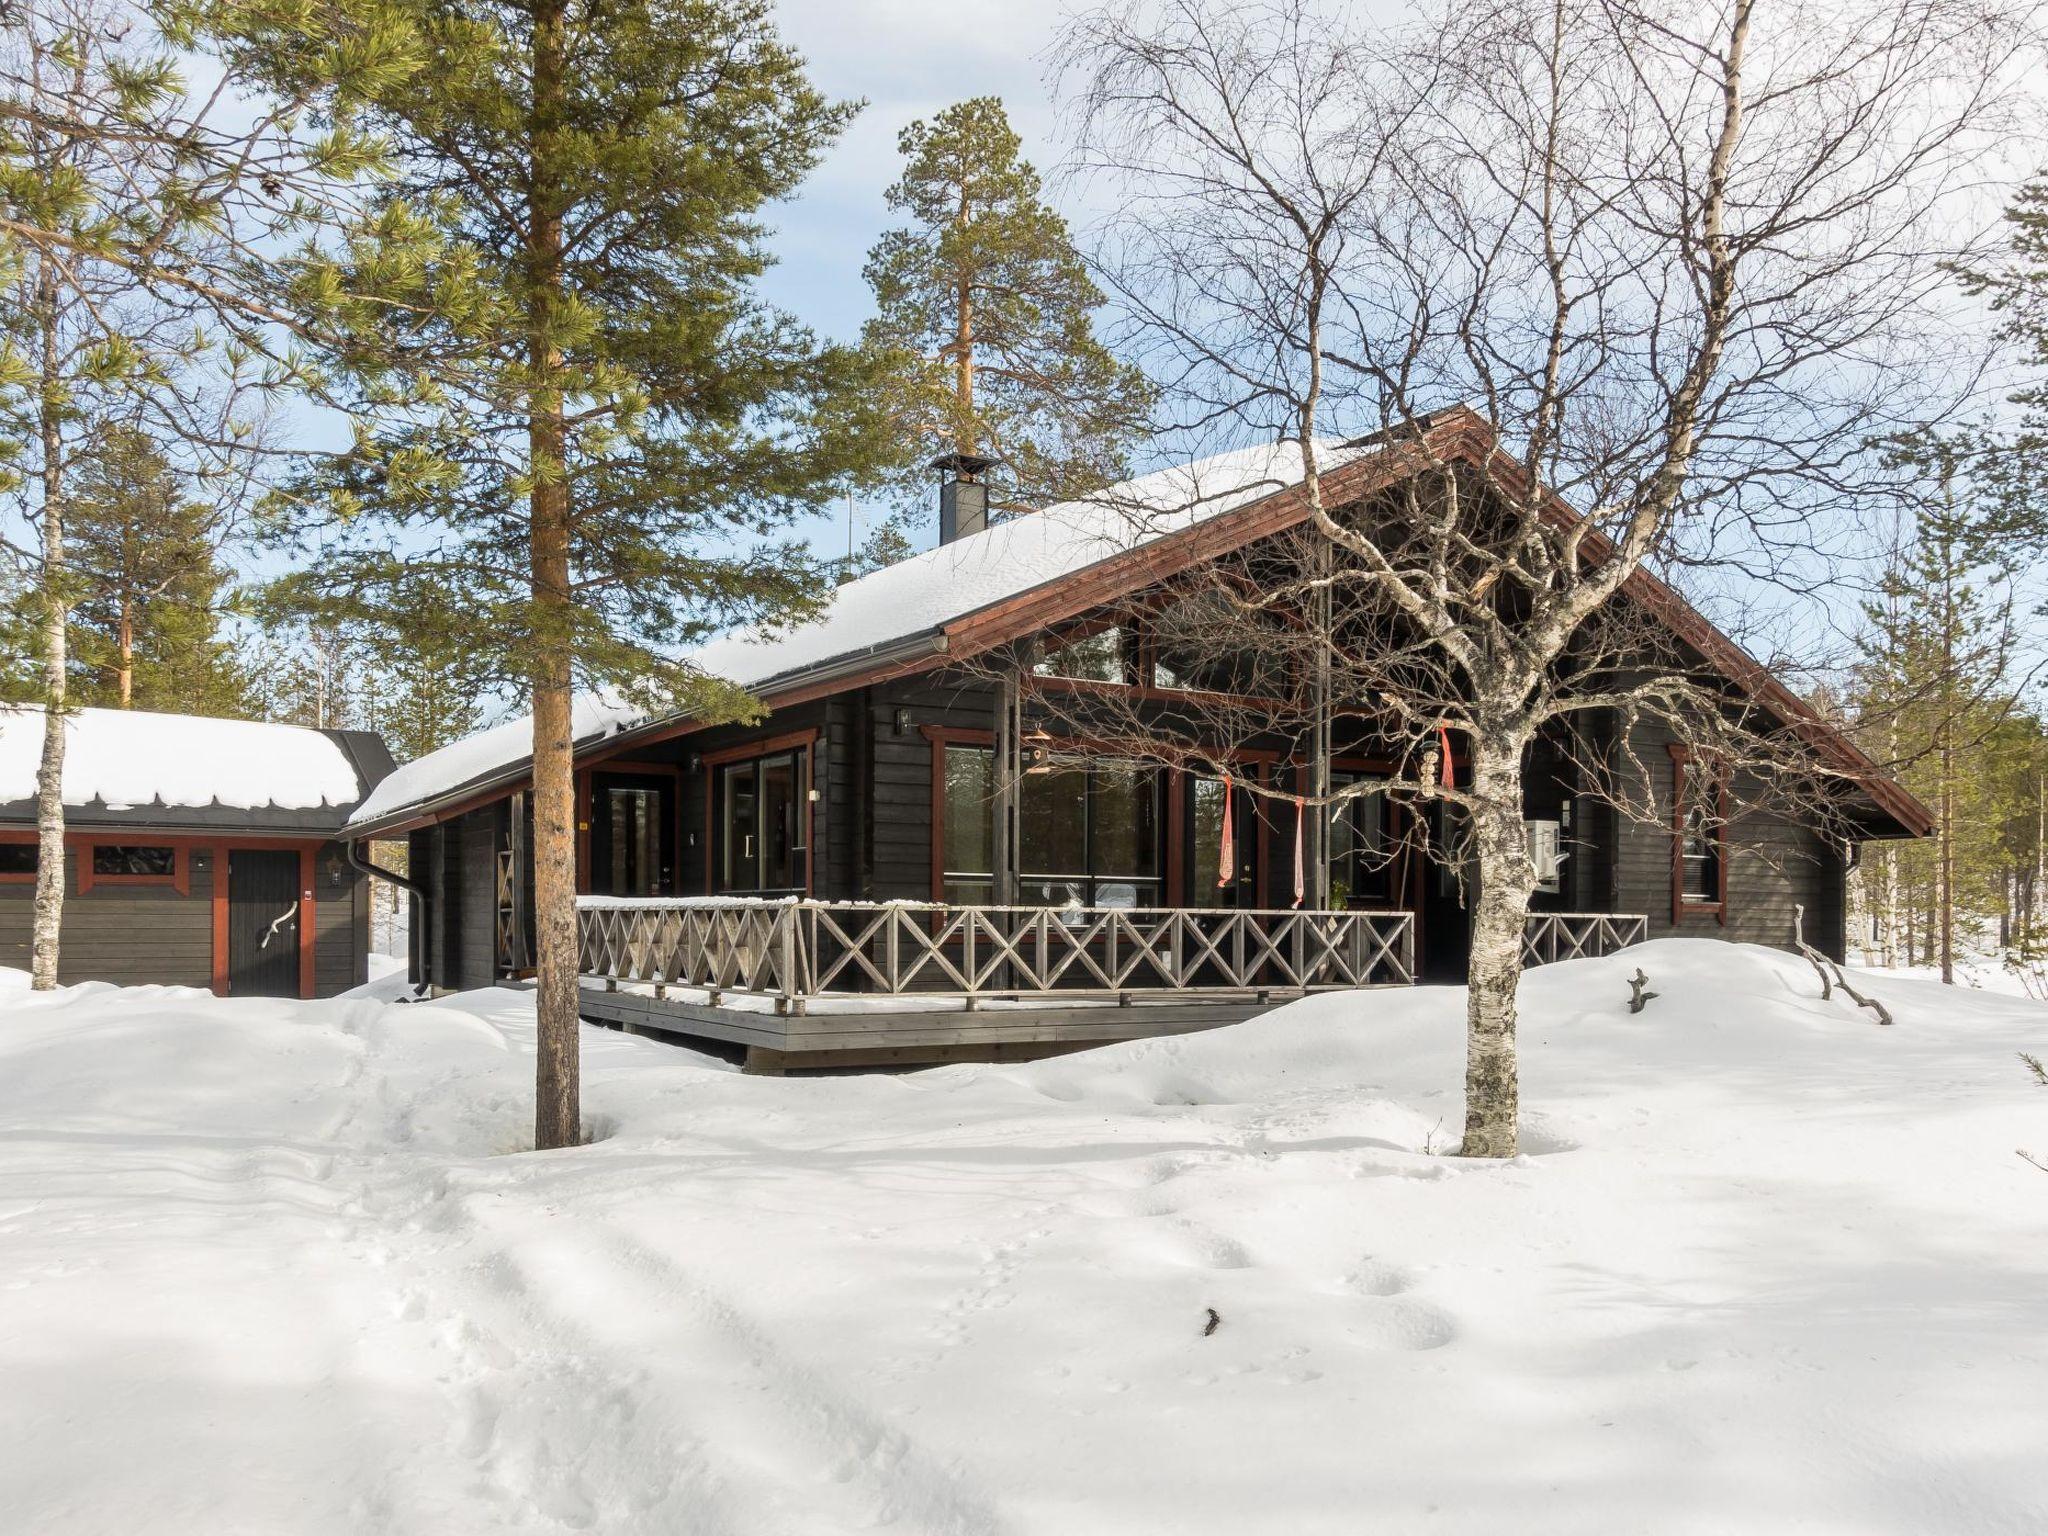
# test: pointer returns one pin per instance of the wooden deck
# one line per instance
(906, 1031)
(807, 984)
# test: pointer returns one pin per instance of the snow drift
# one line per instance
(1763, 1266)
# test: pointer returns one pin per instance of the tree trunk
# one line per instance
(49, 900)
(965, 438)
(1947, 882)
(1500, 909)
(125, 676)
(557, 1118)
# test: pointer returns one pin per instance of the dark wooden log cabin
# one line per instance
(897, 766)
(198, 852)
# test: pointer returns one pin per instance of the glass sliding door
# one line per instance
(764, 825)
(781, 813)
(1205, 811)
(1360, 851)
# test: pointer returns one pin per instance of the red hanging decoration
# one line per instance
(1443, 736)
(1226, 864)
(1300, 875)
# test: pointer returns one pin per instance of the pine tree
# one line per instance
(19, 679)
(1941, 645)
(336, 676)
(579, 431)
(987, 312)
(152, 590)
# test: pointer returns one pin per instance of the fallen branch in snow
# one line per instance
(1831, 974)
(1637, 996)
(2034, 1066)
(1216, 1318)
(2028, 1157)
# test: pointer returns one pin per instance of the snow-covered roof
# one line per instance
(476, 757)
(910, 598)
(133, 759)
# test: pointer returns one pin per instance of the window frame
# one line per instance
(1688, 773)
(179, 879)
(34, 846)
(942, 738)
(800, 747)
(1092, 878)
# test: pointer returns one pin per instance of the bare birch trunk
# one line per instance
(49, 900)
(1500, 911)
(557, 1119)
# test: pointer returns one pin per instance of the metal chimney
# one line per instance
(963, 494)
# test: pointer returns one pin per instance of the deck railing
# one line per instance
(1550, 936)
(796, 951)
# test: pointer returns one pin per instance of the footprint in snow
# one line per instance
(1404, 1324)
(1375, 1278)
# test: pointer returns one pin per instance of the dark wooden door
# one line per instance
(263, 922)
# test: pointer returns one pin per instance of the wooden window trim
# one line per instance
(309, 936)
(806, 742)
(179, 879)
(17, 839)
(766, 747)
(941, 737)
(1685, 764)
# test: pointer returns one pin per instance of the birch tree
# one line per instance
(133, 217)
(1664, 271)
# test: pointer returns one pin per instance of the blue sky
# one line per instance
(907, 59)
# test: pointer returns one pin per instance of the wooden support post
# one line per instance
(1009, 774)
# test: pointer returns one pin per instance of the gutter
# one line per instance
(359, 861)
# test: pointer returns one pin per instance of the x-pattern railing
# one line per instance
(795, 951)
(1553, 936)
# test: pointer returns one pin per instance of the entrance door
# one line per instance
(263, 922)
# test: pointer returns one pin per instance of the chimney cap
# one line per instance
(969, 466)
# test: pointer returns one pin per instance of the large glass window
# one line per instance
(1107, 656)
(970, 853)
(1358, 846)
(1086, 834)
(17, 858)
(1700, 853)
(1699, 834)
(765, 810)
(1090, 836)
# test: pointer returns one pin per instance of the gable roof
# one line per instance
(142, 768)
(1027, 572)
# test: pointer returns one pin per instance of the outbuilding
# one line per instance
(198, 852)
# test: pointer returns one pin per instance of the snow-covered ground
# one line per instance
(278, 1268)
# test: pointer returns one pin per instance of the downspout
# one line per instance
(358, 861)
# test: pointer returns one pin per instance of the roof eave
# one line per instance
(890, 658)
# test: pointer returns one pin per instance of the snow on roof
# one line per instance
(910, 598)
(474, 757)
(133, 758)
(1012, 557)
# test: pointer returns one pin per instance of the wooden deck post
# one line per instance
(1009, 775)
